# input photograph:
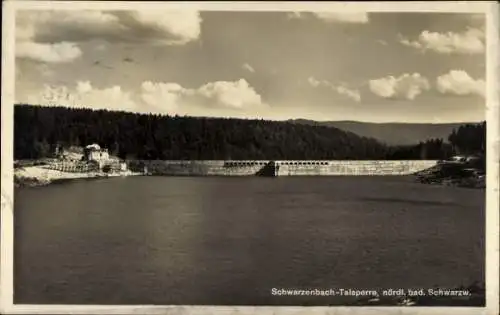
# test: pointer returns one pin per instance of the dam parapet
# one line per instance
(280, 167)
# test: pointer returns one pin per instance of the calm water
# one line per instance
(220, 240)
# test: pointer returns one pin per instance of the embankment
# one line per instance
(280, 168)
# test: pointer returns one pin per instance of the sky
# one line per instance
(325, 66)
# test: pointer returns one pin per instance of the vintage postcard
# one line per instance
(244, 157)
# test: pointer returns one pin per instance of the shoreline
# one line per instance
(34, 182)
(36, 176)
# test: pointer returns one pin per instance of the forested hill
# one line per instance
(38, 130)
(391, 133)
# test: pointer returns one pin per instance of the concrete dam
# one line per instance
(280, 167)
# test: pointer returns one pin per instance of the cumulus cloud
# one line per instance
(158, 97)
(468, 42)
(51, 53)
(458, 82)
(53, 33)
(340, 89)
(162, 96)
(335, 17)
(406, 86)
(172, 27)
(238, 94)
(248, 68)
(83, 95)
(220, 94)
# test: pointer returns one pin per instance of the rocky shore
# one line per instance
(453, 174)
(33, 176)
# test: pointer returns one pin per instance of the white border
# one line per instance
(493, 119)
(493, 160)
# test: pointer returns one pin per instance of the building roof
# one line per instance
(93, 146)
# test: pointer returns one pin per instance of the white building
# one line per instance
(94, 152)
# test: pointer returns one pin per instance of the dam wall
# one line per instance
(279, 168)
(352, 168)
(199, 167)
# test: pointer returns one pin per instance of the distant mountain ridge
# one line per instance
(390, 133)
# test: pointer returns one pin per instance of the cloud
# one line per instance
(50, 32)
(340, 89)
(313, 82)
(468, 42)
(334, 17)
(248, 67)
(352, 94)
(458, 82)
(406, 86)
(83, 95)
(50, 53)
(344, 17)
(237, 94)
(157, 97)
(162, 96)
(172, 27)
(220, 94)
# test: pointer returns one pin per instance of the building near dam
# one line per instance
(91, 158)
(94, 152)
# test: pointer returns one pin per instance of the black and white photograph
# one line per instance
(189, 155)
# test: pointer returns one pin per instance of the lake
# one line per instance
(230, 240)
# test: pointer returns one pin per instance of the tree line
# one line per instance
(38, 131)
(468, 139)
